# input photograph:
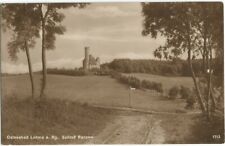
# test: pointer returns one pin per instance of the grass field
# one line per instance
(98, 90)
(53, 118)
(68, 110)
(166, 81)
(195, 129)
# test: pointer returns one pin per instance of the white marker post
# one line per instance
(130, 90)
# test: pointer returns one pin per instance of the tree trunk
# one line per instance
(210, 82)
(200, 101)
(199, 97)
(44, 71)
(209, 93)
(208, 74)
(203, 62)
(195, 82)
(204, 47)
(213, 100)
(30, 69)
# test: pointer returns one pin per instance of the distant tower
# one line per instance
(86, 59)
(97, 62)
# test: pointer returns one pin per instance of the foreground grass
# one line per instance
(192, 129)
(56, 118)
(50, 117)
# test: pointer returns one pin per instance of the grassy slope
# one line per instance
(92, 90)
(58, 117)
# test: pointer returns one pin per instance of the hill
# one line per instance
(68, 110)
(94, 90)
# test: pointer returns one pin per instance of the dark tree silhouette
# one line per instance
(20, 18)
(188, 28)
(51, 19)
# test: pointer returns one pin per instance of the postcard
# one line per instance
(112, 73)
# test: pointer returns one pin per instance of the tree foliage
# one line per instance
(188, 28)
(180, 21)
(21, 20)
(174, 67)
(26, 22)
(50, 19)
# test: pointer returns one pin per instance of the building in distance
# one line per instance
(89, 61)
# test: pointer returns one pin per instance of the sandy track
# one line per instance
(131, 129)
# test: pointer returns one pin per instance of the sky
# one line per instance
(111, 30)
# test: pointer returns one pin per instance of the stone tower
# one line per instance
(89, 61)
(86, 59)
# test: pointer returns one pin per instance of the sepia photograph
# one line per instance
(112, 73)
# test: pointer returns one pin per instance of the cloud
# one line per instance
(111, 11)
(129, 39)
(103, 10)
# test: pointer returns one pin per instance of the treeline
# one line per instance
(175, 67)
(78, 71)
(70, 72)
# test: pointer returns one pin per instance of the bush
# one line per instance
(136, 83)
(71, 72)
(115, 74)
(152, 86)
(123, 79)
(146, 84)
(158, 87)
(173, 92)
(190, 102)
(103, 72)
(185, 92)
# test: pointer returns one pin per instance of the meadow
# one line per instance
(93, 90)
(68, 110)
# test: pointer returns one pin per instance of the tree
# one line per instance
(188, 29)
(51, 19)
(158, 54)
(21, 20)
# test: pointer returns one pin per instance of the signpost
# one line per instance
(130, 91)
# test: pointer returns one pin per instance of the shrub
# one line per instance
(103, 72)
(173, 92)
(115, 74)
(71, 72)
(146, 84)
(134, 82)
(158, 87)
(123, 79)
(152, 86)
(185, 92)
(190, 101)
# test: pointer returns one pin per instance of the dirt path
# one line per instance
(131, 129)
